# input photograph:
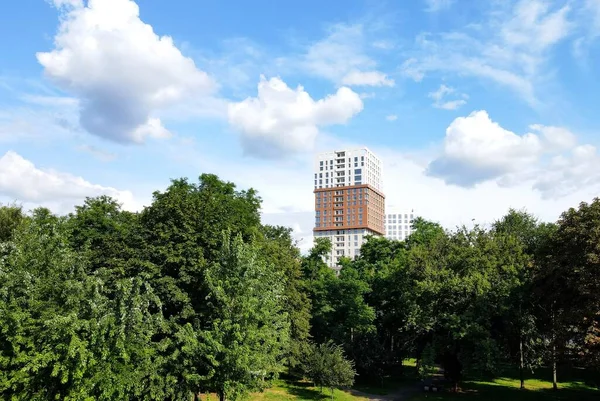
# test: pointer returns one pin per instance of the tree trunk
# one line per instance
(521, 363)
(554, 384)
(221, 395)
(332, 394)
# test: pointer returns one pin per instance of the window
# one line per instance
(356, 158)
(321, 182)
(358, 171)
(321, 162)
(321, 168)
(326, 181)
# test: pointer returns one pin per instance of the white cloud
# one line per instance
(21, 180)
(437, 5)
(477, 150)
(590, 17)
(512, 47)
(342, 58)
(439, 98)
(556, 138)
(407, 185)
(391, 117)
(283, 120)
(121, 71)
(369, 78)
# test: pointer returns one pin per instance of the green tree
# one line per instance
(279, 249)
(327, 367)
(520, 328)
(569, 286)
(11, 217)
(61, 336)
(247, 338)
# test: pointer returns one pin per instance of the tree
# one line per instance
(61, 336)
(11, 217)
(247, 338)
(327, 367)
(279, 249)
(571, 281)
(519, 324)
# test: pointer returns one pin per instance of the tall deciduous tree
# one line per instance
(247, 338)
(279, 249)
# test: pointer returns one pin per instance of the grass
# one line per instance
(572, 386)
(297, 391)
(507, 387)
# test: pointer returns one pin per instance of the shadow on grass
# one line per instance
(305, 391)
(495, 392)
(396, 379)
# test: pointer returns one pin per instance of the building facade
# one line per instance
(349, 203)
(398, 224)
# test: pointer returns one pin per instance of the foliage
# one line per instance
(245, 343)
(327, 367)
(193, 294)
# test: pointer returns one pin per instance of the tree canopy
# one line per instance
(194, 294)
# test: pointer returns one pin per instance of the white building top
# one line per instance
(347, 167)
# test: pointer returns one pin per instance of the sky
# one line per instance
(473, 107)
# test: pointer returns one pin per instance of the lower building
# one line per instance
(346, 215)
(344, 243)
(399, 225)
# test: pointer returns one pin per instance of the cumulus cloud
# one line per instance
(391, 117)
(282, 120)
(21, 180)
(122, 72)
(478, 150)
(555, 138)
(369, 78)
(441, 101)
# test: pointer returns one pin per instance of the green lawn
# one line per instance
(301, 391)
(296, 391)
(507, 388)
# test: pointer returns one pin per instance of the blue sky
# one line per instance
(474, 107)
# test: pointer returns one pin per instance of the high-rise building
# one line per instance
(349, 203)
(398, 224)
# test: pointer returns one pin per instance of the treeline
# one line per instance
(194, 294)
